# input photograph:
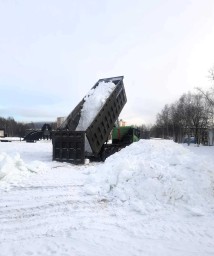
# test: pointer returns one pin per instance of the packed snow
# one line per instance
(154, 197)
(93, 103)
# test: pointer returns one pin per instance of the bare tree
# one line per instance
(209, 94)
(13, 128)
(190, 115)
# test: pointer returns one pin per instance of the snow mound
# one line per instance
(149, 175)
(14, 169)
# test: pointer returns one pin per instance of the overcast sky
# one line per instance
(53, 51)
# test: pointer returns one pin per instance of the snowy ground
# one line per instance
(154, 197)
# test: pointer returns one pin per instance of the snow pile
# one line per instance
(14, 169)
(148, 175)
(152, 198)
(94, 101)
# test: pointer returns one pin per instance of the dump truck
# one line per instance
(125, 135)
(85, 133)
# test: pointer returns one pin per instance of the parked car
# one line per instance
(192, 139)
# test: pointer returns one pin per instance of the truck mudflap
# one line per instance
(69, 146)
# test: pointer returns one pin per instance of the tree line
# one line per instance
(191, 115)
(13, 128)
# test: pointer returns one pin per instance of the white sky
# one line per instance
(52, 52)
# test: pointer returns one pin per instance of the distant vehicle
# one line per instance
(33, 135)
(190, 140)
(46, 129)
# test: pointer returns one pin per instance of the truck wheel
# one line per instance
(103, 156)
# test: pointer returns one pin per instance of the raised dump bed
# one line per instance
(97, 131)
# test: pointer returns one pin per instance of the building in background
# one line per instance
(59, 121)
(122, 122)
(2, 133)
